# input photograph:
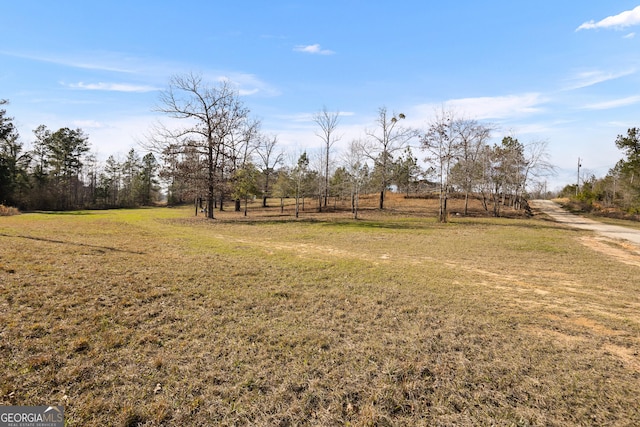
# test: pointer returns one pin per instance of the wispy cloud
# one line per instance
(629, 36)
(313, 49)
(497, 107)
(309, 117)
(618, 22)
(297, 117)
(68, 61)
(622, 102)
(248, 92)
(620, 124)
(247, 84)
(113, 87)
(93, 124)
(590, 78)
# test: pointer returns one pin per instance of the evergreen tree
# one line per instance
(66, 148)
(147, 181)
(13, 162)
(130, 174)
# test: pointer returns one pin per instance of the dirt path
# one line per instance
(611, 231)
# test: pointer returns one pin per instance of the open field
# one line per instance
(154, 317)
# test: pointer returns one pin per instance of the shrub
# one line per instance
(8, 211)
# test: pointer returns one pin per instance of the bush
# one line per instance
(8, 211)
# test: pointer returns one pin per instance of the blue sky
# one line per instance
(565, 72)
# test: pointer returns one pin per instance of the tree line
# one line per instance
(220, 154)
(59, 172)
(217, 154)
(620, 188)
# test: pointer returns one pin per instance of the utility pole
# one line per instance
(578, 180)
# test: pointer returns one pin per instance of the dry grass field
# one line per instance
(155, 317)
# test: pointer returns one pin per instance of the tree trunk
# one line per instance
(356, 198)
(210, 204)
(443, 208)
(326, 181)
(266, 188)
(210, 178)
(446, 214)
(466, 202)
(382, 199)
(442, 214)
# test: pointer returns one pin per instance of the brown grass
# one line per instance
(8, 211)
(154, 317)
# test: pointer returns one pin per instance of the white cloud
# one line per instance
(314, 49)
(541, 128)
(590, 78)
(619, 21)
(248, 92)
(84, 124)
(622, 102)
(111, 63)
(114, 87)
(309, 117)
(297, 117)
(629, 36)
(117, 135)
(109, 133)
(497, 107)
(247, 84)
(620, 125)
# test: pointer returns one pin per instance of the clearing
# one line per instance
(153, 317)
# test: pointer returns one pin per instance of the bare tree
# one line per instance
(328, 123)
(242, 144)
(485, 174)
(472, 137)
(214, 116)
(538, 166)
(354, 161)
(443, 147)
(269, 159)
(383, 141)
(240, 148)
(314, 184)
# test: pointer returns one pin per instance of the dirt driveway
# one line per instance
(611, 231)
